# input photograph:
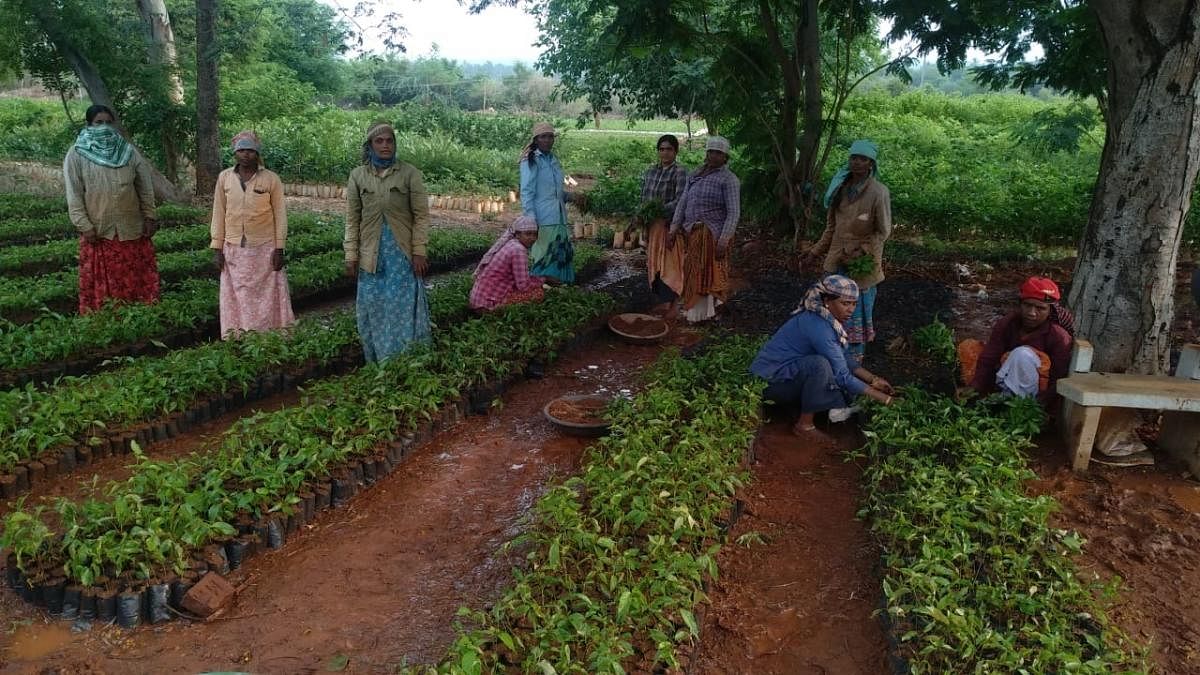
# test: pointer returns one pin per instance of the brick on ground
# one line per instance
(209, 595)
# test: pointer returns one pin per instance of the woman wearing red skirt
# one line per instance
(110, 199)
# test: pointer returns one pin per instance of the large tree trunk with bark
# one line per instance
(798, 55)
(208, 153)
(1124, 281)
(162, 42)
(163, 54)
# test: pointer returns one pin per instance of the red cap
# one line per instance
(1040, 288)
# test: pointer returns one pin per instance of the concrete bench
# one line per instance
(1086, 395)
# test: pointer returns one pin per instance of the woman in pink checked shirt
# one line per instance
(502, 277)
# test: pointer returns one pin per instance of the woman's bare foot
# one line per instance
(813, 436)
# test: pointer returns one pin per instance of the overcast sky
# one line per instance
(498, 34)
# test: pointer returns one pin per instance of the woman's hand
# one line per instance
(89, 236)
(218, 259)
(877, 395)
(352, 269)
(277, 259)
(883, 385)
(149, 227)
(420, 265)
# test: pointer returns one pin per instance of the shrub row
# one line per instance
(975, 579)
(273, 470)
(187, 313)
(618, 556)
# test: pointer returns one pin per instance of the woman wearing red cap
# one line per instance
(1029, 349)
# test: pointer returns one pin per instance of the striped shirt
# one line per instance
(712, 198)
(665, 184)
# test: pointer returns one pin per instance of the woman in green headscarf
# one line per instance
(110, 199)
(858, 222)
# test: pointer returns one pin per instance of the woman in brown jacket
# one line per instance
(858, 223)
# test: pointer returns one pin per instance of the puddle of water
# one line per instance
(38, 640)
(620, 265)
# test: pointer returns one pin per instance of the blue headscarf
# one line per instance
(860, 147)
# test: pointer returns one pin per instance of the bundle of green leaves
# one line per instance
(937, 340)
(652, 210)
(860, 266)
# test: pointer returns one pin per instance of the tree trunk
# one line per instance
(808, 49)
(1124, 281)
(162, 44)
(793, 64)
(208, 153)
(93, 82)
(161, 38)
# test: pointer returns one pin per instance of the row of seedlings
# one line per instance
(28, 219)
(618, 556)
(975, 578)
(72, 345)
(53, 256)
(23, 299)
(47, 433)
(138, 551)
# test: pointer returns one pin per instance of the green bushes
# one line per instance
(324, 144)
(481, 130)
(975, 166)
(261, 91)
(954, 169)
(975, 580)
(36, 130)
(615, 196)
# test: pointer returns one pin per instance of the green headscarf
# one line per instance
(102, 145)
(860, 147)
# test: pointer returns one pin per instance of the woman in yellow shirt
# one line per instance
(249, 229)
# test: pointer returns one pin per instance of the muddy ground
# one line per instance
(377, 584)
(796, 594)
(1142, 524)
(798, 591)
